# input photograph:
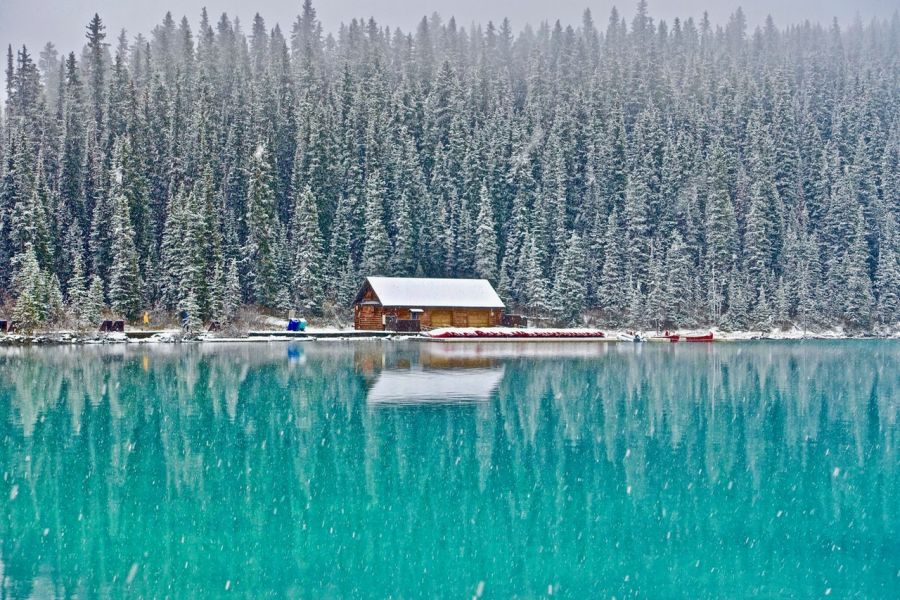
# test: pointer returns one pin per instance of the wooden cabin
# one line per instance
(383, 301)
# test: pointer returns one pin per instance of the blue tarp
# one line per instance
(297, 325)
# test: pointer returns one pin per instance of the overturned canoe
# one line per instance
(510, 333)
(699, 338)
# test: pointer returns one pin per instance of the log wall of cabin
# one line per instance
(371, 317)
(368, 317)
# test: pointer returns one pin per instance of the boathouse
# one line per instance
(414, 303)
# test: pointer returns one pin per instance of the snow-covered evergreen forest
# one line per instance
(643, 172)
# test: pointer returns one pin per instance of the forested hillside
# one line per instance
(646, 173)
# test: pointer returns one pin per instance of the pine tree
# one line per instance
(231, 299)
(28, 223)
(569, 288)
(262, 233)
(101, 236)
(124, 278)
(613, 292)
(217, 294)
(486, 238)
(858, 301)
(191, 321)
(30, 311)
(96, 67)
(534, 279)
(658, 301)
(637, 228)
(681, 310)
(509, 285)
(737, 317)
(404, 259)
(376, 251)
(347, 284)
(808, 306)
(887, 279)
(758, 244)
(78, 292)
(763, 316)
(340, 249)
(306, 253)
(780, 307)
(56, 308)
(94, 306)
(720, 230)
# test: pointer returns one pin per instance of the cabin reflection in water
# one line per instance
(434, 386)
(425, 377)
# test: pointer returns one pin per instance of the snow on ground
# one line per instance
(275, 322)
(794, 333)
(278, 326)
(617, 334)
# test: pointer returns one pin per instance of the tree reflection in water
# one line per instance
(672, 471)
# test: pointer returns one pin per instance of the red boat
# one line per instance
(699, 338)
(672, 337)
(501, 333)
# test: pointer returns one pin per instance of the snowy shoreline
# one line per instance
(175, 336)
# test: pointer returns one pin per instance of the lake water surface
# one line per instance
(385, 469)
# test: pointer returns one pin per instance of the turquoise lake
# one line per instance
(421, 470)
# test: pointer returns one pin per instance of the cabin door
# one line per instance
(479, 318)
(441, 318)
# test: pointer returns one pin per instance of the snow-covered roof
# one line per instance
(421, 292)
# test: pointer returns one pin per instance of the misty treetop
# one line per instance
(643, 172)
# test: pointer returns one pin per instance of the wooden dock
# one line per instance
(322, 335)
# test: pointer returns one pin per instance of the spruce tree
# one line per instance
(217, 294)
(536, 294)
(486, 238)
(231, 298)
(404, 258)
(306, 253)
(637, 198)
(30, 311)
(737, 315)
(720, 231)
(376, 251)
(681, 310)
(658, 301)
(78, 292)
(124, 278)
(262, 233)
(94, 306)
(858, 301)
(191, 321)
(55, 306)
(569, 289)
(887, 278)
(763, 314)
(613, 292)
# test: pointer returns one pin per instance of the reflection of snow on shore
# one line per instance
(517, 349)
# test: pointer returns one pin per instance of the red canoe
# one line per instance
(516, 334)
(699, 338)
